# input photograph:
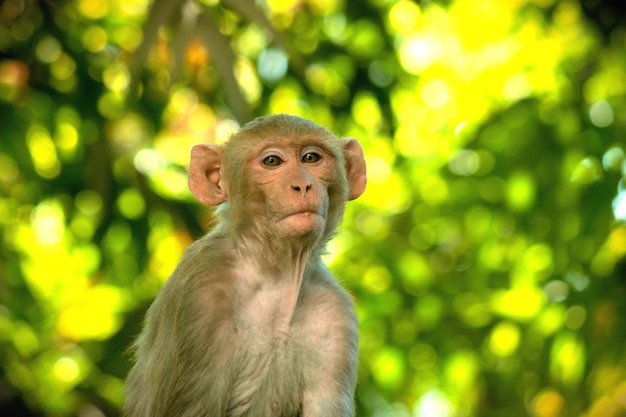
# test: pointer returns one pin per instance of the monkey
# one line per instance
(251, 322)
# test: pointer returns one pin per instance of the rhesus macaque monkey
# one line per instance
(251, 322)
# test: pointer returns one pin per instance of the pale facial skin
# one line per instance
(302, 173)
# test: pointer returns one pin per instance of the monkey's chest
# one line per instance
(268, 379)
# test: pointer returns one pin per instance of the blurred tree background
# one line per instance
(487, 256)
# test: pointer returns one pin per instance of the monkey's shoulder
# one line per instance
(209, 255)
(322, 281)
(202, 276)
(322, 296)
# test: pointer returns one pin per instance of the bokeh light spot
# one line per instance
(48, 222)
(601, 113)
(149, 161)
(548, 403)
(272, 64)
(9, 171)
(567, 359)
(520, 303)
(24, 338)
(404, 16)
(613, 159)
(88, 201)
(128, 36)
(48, 49)
(116, 77)
(380, 73)
(377, 279)
(575, 317)
(13, 75)
(549, 320)
(435, 93)
(504, 339)
(538, 257)
(131, 204)
(416, 53)
(434, 403)
(619, 203)
(587, 171)
(466, 162)
(388, 367)
(140, 7)
(93, 9)
(556, 290)
(246, 75)
(66, 370)
(520, 192)
(461, 369)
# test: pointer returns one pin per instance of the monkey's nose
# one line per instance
(303, 188)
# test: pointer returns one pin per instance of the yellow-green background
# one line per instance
(487, 256)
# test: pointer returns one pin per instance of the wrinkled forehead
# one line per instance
(282, 130)
(284, 126)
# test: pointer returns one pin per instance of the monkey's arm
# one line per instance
(333, 335)
(175, 373)
(153, 378)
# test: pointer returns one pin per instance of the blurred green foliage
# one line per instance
(487, 256)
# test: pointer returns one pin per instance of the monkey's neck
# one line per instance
(271, 283)
(286, 258)
(280, 261)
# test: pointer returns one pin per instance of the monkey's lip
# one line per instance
(302, 214)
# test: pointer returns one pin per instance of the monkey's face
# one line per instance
(283, 177)
(291, 180)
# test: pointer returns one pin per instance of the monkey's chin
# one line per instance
(301, 224)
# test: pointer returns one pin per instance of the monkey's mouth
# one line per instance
(304, 214)
(300, 223)
(302, 217)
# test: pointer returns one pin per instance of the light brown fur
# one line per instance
(251, 322)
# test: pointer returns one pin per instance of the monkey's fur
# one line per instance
(251, 322)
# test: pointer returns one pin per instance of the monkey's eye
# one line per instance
(311, 157)
(272, 161)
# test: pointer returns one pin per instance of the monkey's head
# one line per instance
(282, 177)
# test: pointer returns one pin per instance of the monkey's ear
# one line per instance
(205, 179)
(355, 167)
